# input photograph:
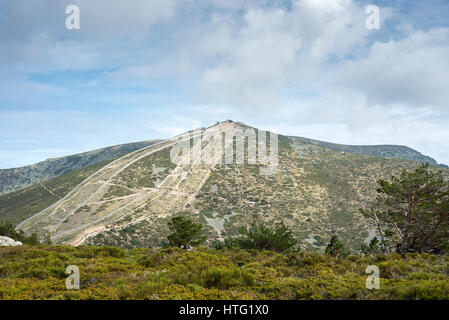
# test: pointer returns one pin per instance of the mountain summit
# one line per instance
(219, 176)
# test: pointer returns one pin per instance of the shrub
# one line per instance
(185, 233)
(261, 237)
(225, 278)
(336, 248)
(8, 230)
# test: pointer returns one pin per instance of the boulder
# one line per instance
(8, 242)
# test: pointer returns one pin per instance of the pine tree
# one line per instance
(185, 233)
(415, 207)
(336, 248)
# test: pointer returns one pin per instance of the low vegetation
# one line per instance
(38, 272)
(263, 261)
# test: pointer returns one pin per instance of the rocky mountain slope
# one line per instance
(385, 151)
(315, 190)
(21, 204)
(18, 178)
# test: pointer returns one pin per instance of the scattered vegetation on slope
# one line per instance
(19, 205)
(412, 202)
(18, 178)
(317, 192)
(7, 230)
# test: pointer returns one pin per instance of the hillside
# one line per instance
(385, 151)
(21, 204)
(19, 178)
(113, 273)
(316, 191)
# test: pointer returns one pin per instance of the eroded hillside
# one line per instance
(19, 178)
(315, 190)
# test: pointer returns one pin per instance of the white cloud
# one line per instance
(34, 32)
(309, 67)
(273, 47)
(412, 71)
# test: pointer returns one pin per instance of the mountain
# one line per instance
(21, 204)
(385, 151)
(315, 189)
(19, 178)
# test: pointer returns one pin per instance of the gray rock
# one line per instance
(8, 242)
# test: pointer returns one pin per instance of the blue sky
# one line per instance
(146, 69)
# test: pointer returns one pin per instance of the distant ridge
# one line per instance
(384, 151)
(19, 178)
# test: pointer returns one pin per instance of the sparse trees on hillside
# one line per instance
(415, 207)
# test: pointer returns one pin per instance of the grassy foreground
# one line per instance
(38, 272)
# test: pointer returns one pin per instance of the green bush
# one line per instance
(261, 237)
(224, 278)
(185, 233)
(336, 248)
(8, 230)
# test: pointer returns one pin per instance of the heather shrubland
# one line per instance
(38, 272)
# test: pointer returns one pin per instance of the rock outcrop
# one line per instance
(8, 242)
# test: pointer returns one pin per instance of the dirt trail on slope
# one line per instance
(76, 217)
(180, 172)
(51, 218)
(51, 192)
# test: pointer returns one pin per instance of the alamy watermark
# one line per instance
(372, 22)
(225, 144)
(73, 20)
(73, 280)
(373, 281)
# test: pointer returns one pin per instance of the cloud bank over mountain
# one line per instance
(148, 69)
